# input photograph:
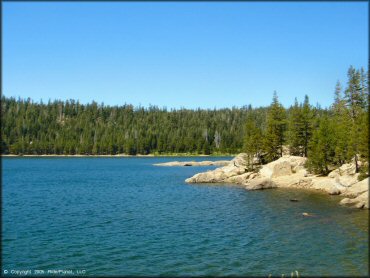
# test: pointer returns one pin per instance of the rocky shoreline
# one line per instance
(289, 172)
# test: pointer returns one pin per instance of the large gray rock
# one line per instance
(347, 181)
(214, 176)
(361, 201)
(328, 185)
(345, 201)
(276, 169)
(239, 160)
(345, 175)
(239, 179)
(260, 183)
(283, 166)
(234, 168)
(356, 189)
(358, 195)
(344, 170)
(296, 180)
(334, 190)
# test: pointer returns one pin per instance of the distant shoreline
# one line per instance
(116, 155)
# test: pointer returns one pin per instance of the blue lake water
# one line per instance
(124, 216)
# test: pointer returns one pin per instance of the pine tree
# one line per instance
(295, 129)
(341, 126)
(355, 103)
(354, 94)
(307, 118)
(364, 88)
(363, 122)
(276, 123)
(321, 148)
(363, 144)
(252, 141)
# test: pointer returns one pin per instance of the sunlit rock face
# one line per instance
(289, 172)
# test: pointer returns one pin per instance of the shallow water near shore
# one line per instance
(124, 216)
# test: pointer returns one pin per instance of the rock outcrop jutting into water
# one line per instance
(289, 172)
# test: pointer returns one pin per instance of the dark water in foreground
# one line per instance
(123, 216)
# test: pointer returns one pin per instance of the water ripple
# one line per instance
(127, 217)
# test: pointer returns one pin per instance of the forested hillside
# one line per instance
(328, 137)
(72, 128)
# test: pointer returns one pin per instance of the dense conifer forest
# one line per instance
(72, 128)
(328, 137)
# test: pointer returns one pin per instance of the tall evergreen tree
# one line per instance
(307, 118)
(356, 104)
(276, 123)
(321, 148)
(341, 126)
(363, 122)
(300, 127)
(295, 129)
(253, 143)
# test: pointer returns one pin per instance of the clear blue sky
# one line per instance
(181, 54)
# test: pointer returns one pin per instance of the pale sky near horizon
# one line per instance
(176, 54)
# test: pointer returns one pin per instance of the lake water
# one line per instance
(123, 216)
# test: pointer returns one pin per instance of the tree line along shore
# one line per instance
(120, 155)
(328, 137)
